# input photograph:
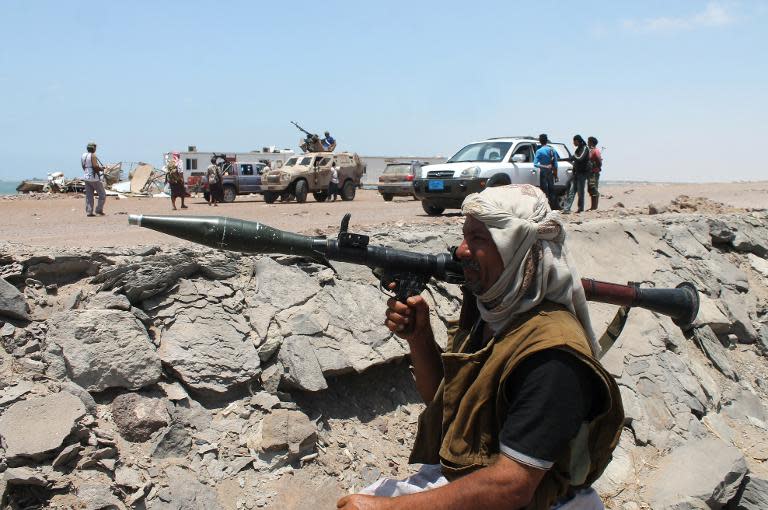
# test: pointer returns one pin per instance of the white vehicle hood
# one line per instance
(457, 168)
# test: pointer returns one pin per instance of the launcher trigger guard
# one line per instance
(406, 284)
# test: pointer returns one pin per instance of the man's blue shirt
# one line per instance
(328, 141)
(546, 155)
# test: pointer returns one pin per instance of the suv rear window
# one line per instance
(397, 169)
(483, 151)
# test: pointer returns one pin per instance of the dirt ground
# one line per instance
(60, 220)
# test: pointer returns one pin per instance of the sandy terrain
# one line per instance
(60, 220)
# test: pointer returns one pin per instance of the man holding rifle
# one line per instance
(520, 414)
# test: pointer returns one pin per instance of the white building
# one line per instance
(196, 163)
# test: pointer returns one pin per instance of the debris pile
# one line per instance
(190, 378)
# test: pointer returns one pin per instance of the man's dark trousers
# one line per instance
(547, 185)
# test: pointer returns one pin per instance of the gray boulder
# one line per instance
(704, 471)
(97, 496)
(149, 277)
(100, 349)
(210, 350)
(33, 428)
(752, 496)
(302, 369)
(285, 429)
(108, 301)
(714, 350)
(61, 269)
(738, 307)
(174, 441)
(183, 492)
(137, 417)
(13, 304)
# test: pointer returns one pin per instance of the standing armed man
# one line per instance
(92, 170)
(545, 160)
(520, 414)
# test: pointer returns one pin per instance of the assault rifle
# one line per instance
(409, 271)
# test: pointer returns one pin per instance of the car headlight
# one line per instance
(470, 172)
(285, 176)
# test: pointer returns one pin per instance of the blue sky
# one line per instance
(675, 91)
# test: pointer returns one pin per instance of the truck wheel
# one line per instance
(348, 191)
(387, 197)
(229, 194)
(562, 198)
(300, 191)
(270, 197)
(320, 196)
(432, 209)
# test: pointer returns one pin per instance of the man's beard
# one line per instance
(475, 287)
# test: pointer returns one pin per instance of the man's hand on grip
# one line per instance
(409, 320)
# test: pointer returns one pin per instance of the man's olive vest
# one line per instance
(460, 427)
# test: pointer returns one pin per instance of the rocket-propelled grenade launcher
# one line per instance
(410, 271)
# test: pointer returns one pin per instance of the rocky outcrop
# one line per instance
(13, 304)
(263, 366)
(100, 349)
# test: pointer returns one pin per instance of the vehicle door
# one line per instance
(247, 178)
(523, 171)
(321, 174)
(258, 171)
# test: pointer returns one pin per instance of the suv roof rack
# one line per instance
(525, 137)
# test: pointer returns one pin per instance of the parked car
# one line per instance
(397, 179)
(242, 179)
(311, 173)
(510, 159)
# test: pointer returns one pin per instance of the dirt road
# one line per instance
(60, 220)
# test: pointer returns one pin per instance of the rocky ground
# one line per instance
(181, 377)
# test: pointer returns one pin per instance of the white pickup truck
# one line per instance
(444, 186)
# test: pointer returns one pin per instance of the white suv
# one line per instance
(509, 160)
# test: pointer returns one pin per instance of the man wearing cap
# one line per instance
(520, 414)
(545, 160)
(92, 170)
(329, 143)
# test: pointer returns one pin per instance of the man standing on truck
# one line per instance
(329, 143)
(520, 414)
(546, 161)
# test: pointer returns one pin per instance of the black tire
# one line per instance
(270, 197)
(432, 209)
(561, 199)
(387, 197)
(320, 196)
(229, 194)
(300, 191)
(348, 191)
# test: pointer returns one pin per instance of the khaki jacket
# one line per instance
(460, 427)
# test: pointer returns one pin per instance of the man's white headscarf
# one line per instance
(518, 218)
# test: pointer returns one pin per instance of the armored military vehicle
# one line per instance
(311, 173)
